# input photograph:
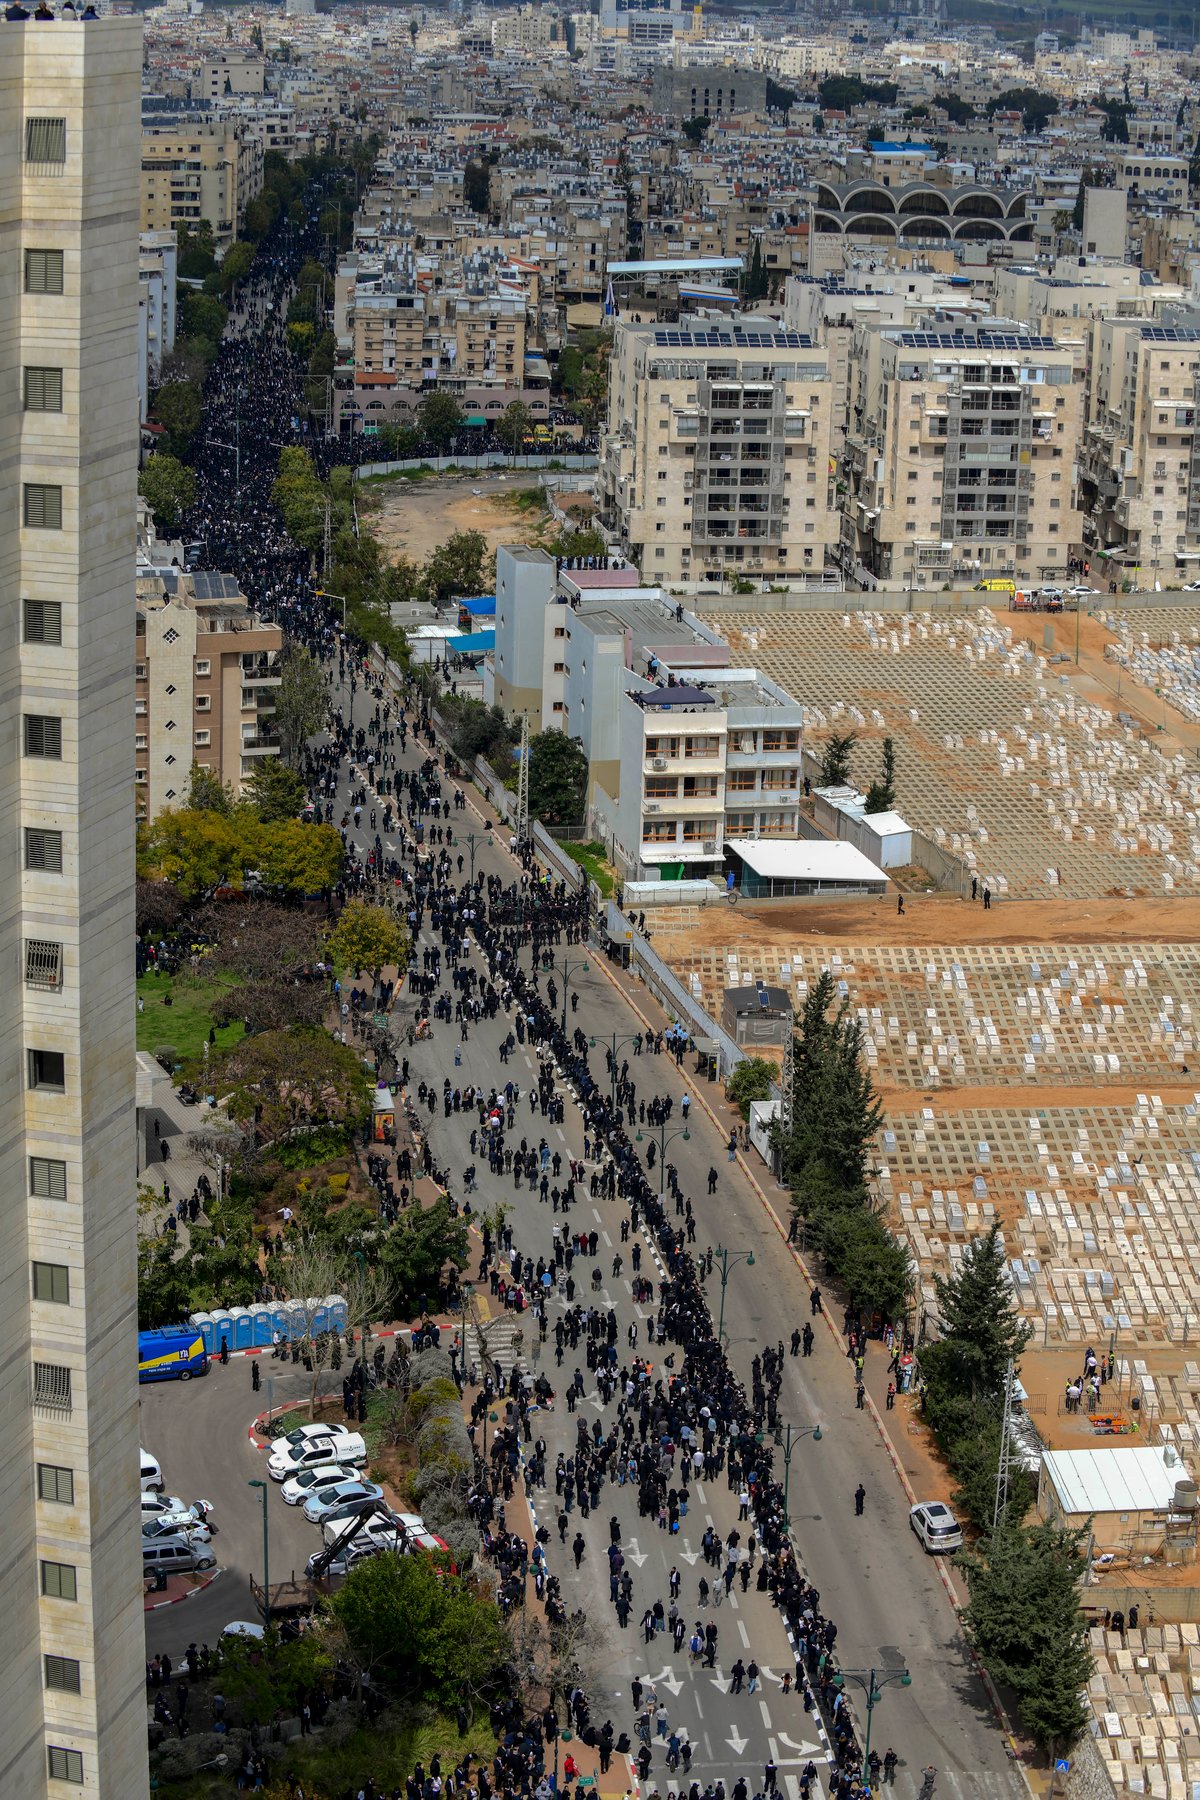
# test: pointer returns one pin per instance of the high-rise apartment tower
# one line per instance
(72, 1697)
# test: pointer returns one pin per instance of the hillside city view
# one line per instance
(603, 697)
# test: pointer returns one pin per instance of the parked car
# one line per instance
(175, 1555)
(391, 1531)
(340, 1500)
(346, 1559)
(152, 1481)
(244, 1628)
(288, 1459)
(298, 1488)
(165, 1507)
(315, 1430)
(936, 1526)
(194, 1530)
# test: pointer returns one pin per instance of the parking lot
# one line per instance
(200, 1433)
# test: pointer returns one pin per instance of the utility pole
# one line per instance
(1004, 1465)
(523, 784)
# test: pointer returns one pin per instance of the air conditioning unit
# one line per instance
(652, 806)
(710, 846)
(660, 762)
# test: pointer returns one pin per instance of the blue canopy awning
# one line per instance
(473, 643)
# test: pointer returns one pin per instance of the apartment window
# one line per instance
(65, 1765)
(202, 738)
(43, 736)
(56, 1483)
(43, 963)
(46, 142)
(43, 622)
(52, 1281)
(43, 271)
(43, 390)
(204, 667)
(47, 1178)
(58, 1579)
(43, 507)
(203, 702)
(43, 850)
(53, 1388)
(62, 1674)
(741, 781)
(47, 1069)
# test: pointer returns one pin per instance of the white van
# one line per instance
(152, 1481)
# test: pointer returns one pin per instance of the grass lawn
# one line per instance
(185, 1023)
(591, 858)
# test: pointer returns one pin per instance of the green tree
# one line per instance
(578, 541)
(169, 489)
(368, 937)
(439, 420)
(207, 792)
(281, 1082)
(514, 425)
(835, 759)
(274, 790)
(957, 110)
(201, 315)
(197, 851)
(981, 1330)
(477, 185)
(297, 858)
(416, 1253)
(1034, 106)
(1025, 1621)
(421, 1631)
(301, 702)
(235, 265)
(256, 221)
(558, 776)
(756, 284)
(478, 730)
(179, 410)
(164, 1283)
(456, 567)
(974, 1460)
(695, 130)
(881, 795)
(751, 1080)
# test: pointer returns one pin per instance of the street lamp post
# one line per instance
(567, 969)
(613, 1044)
(872, 1682)
(663, 1137)
(474, 839)
(728, 1259)
(266, 1599)
(786, 1444)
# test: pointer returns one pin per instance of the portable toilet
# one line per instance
(204, 1325)
(262, 1324)
(338, 1312)
(243, 1327)
(318, 1315)
(293, 1320)
(222, 1329)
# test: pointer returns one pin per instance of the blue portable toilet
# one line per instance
(243, 1327)
(222, 1329)
(263, 1323)
(338, 1312)
(318, 1314)
(292, 1320)
(204, 1325)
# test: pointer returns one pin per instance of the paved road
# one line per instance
(875, 1581)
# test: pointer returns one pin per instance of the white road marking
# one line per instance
(743, 1633)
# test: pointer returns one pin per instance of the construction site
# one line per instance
(1038, 1060)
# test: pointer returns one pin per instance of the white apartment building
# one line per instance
(158, 261)
(711, 757)
(715, 461)
(72, 1675)
(1140, 468)
(961, 457)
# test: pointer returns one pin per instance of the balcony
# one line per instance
(260, 746)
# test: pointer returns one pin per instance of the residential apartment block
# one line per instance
(961, 457)
(1140, 470)
(197, 168)
(716, 456)
(207, 673)
(72, 1675)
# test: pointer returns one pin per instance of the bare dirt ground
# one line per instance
(938, 920)
(411, 518)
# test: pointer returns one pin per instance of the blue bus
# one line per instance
(174, 1353)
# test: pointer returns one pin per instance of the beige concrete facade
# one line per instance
(206, 674)
(1141, 459)
(72, 1692)
(960, 457)
(716, 456)
(193, 170)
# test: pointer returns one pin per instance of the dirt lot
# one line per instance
(412, 518)
(938, 921)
